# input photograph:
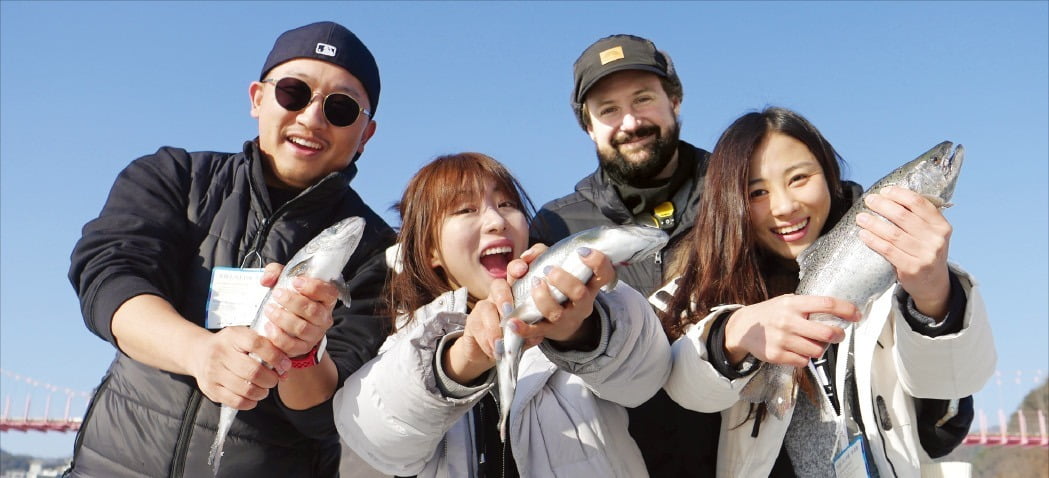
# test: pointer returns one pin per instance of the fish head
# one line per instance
(935, 173)
(626, 244)
(327, 253)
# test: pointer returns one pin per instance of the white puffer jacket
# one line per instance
(567, 418)
(893, 364)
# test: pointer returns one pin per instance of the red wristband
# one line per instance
(313, 357)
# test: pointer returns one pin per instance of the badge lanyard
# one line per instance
(850, 460)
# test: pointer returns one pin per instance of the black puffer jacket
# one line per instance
(596, 202)
(171, 217)
(675, 442)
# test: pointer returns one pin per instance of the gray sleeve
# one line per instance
(450, 388)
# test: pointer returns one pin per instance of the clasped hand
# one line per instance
(914, 238)
(297, 322)
(565, 324)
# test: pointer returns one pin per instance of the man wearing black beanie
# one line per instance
(178, 225)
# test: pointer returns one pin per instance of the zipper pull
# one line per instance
(659, 257)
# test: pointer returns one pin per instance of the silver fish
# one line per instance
(840, 265)
(621, 244)
(323, 258)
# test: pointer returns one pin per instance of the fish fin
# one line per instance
(754, 390)
(773, 385)
(344, 291)
(298, 268)
(937, 201)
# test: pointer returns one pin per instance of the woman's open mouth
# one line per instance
(495, 259)
(793, 232)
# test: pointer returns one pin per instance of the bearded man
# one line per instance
(627, 98)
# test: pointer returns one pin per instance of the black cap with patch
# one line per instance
(616, 53)
(330, 42)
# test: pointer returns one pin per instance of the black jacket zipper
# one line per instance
(87, 418)
(185, 434)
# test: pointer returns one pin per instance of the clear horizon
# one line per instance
(89, 86)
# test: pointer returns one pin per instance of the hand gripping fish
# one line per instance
(621, 244)
(840, 265)
(323, 258)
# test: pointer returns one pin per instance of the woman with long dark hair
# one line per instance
(773, 186)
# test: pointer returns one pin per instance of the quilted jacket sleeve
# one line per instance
(391, 411)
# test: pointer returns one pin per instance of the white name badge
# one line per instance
(852, 462)
(234, 297)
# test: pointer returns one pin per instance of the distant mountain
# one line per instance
(1012, 461)
(9, 462)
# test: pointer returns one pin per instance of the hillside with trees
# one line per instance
(1012, 461)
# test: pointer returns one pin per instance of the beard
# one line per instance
(655, 156)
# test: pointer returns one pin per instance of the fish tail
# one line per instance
(503, 417)
(344, 291)
(507, 387)
(772, 385)
(226, 416)
(509, 359)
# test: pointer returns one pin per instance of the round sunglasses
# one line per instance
(294, 94)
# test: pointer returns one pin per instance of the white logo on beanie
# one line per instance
(325, 49)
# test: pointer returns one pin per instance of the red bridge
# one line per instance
(1003, 438)
(45, 422)
(70, 422)
(70, 425)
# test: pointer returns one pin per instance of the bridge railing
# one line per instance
(30, 392)
(1030, 428)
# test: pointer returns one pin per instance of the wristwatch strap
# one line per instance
(313, 357)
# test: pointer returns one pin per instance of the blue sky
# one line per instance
(87, 87)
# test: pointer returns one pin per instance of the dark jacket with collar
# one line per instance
(675, 442)
(596, 202)
(171, 217)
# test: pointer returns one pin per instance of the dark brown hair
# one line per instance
(427, 200)
(720, 262)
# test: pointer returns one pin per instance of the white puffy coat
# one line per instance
(567, 418)
(893, 363)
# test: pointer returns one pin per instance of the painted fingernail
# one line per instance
(536, 282)
(498, 348)
(584, 251)
(506, 309)
(547, 269)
